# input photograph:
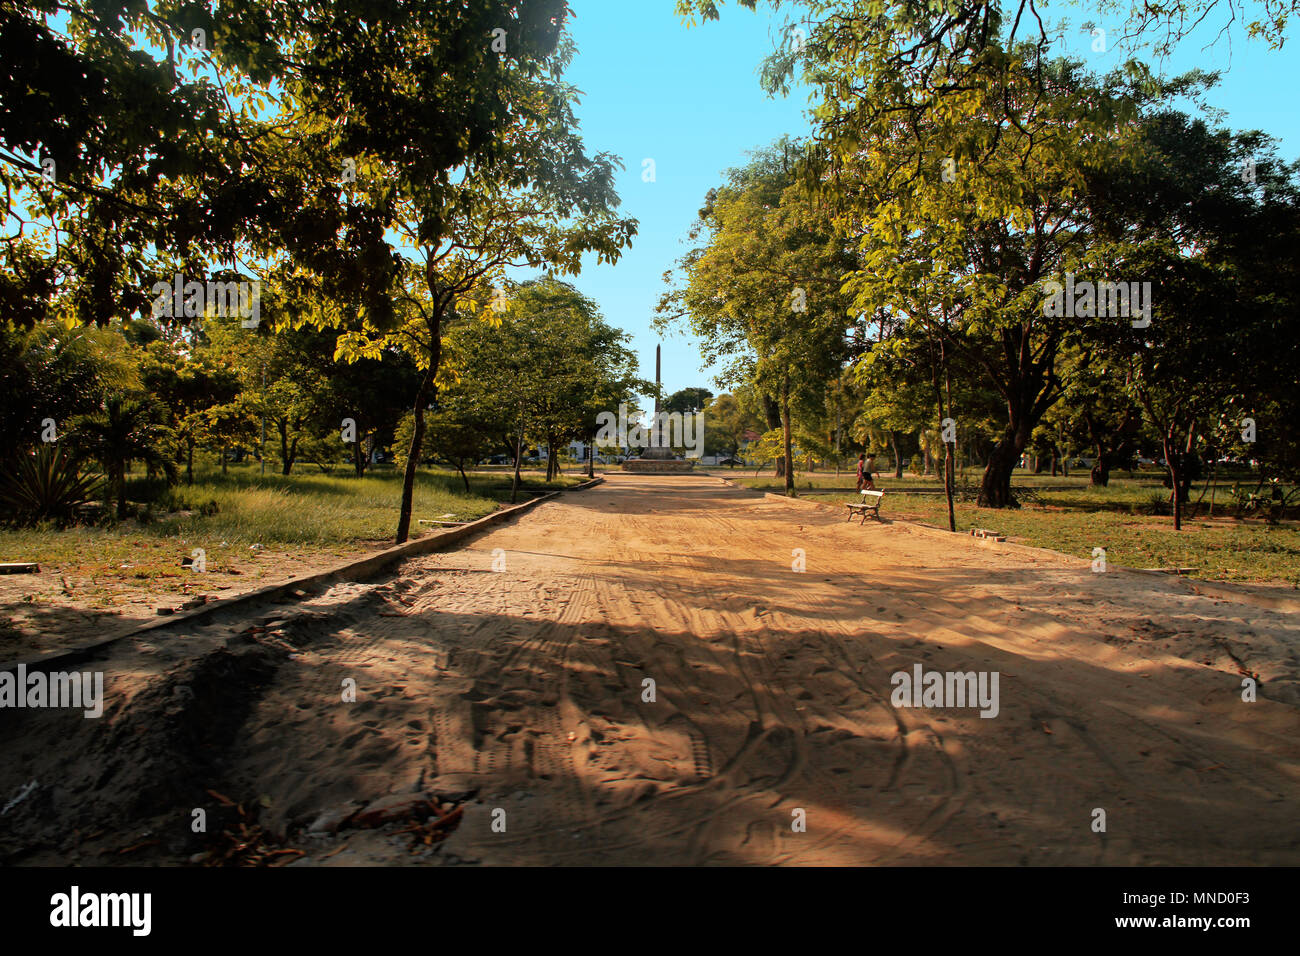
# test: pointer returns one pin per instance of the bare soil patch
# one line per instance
(506, 683)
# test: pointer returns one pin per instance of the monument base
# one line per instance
(659, 466)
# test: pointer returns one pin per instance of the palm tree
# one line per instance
(125, 430)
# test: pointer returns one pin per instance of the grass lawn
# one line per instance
(298, 521)
(1080, 517)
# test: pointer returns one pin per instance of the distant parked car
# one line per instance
(730, 461)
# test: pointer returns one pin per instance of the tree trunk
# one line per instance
(591, 456)
(898, 459)
(519, 450)
(120, 481)
(949, 453)
(358, 458)
(189, 461)
(1174, 465)
(427, 388)
(772, 413)
(223, 459)
(292, 457)
(283, 428)
(413, 454)
(1100, 474)
(995, 489)
(949, 462)
(1196, 505)
(788, 456)
(460, 466)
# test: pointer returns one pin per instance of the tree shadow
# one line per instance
(763, 706)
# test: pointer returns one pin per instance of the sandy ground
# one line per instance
(519, 695)
(69, 605)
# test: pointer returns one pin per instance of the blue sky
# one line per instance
(689, 99)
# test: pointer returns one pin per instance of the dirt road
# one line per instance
(513, 675)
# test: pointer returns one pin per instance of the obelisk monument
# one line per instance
(658, 349)
(658, 458)
(661, 443)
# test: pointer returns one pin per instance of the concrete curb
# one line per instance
(731, 484)
(357, 569)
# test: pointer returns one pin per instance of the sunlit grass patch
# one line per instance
(226, 515)
(1219, 549)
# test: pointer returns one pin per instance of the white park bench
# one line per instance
(867, 507)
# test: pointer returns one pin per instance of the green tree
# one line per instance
(551, 366)
(462, 431)
(725, 423)
(1220, 251)
(373, 393)
(186, 380)
(763, 291)
(284, 379)
(535, 199)
(56, 373)
(229, 428)
(687, 400)
(125, 430)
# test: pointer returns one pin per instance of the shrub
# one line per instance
(47, 485)
(1157, 503)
